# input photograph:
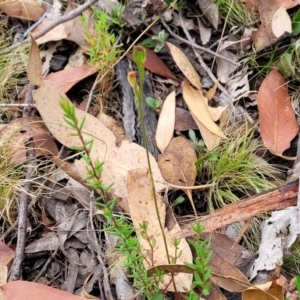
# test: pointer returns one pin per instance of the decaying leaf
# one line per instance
(264, 292)
(279, 232)
(166, 123)
(142, 209)
(198, 107)
(278, 125)
(184, 65)
(227, 276)
(177, 165)
(30, 10)
(17, 133)
(281, 22)
(210, 10)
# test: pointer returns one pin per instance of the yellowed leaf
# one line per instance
(142, 209)
(198, 108)
(216, 112)
(184, 65)
(211, 93)
(166, 123)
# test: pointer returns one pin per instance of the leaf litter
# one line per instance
(126, 166)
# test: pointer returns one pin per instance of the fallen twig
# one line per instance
(275, 199)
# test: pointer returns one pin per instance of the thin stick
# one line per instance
(17, 105)
(194, 45)
(16, 270)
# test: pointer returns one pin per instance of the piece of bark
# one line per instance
(275, 199)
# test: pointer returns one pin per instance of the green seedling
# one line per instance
(153, 103)
(157, 42)
(296, 23)
(202, 271)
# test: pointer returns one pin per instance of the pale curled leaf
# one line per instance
(166, 123)
(281, 22)
(143, 210)
(184, 65)
(198, 108)
(278, 125)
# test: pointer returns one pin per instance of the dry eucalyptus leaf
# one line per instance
(166, 123)
(184, 65)
(34, 65)
(142, 209)
(197, 104)
(278, 125)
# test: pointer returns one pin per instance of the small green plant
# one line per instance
(234, 169)
(157, 41)
(103, 50)
(202, 271)
(153, 103)
(116, 15)
(234, 12)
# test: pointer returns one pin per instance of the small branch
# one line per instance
(16, 270)
(17, 105)
(67, 17)
(275, 199)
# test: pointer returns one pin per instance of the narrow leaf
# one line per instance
(184, 65)
(166, 123)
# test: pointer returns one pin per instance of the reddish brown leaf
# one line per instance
(26, 290)
(67, 78)
(155, 65)
(278, 125)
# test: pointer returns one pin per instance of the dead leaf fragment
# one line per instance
(281, 22)
(34, 65)
(278, 125)
(142, 209)
(184, 120)
(184, 65)
(166, 123)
